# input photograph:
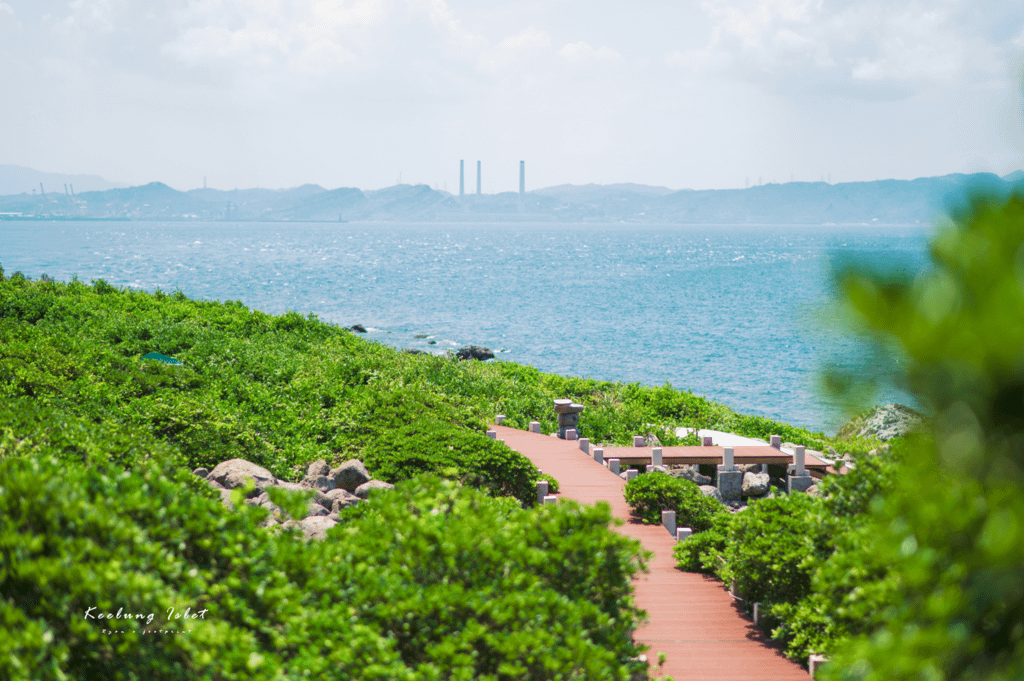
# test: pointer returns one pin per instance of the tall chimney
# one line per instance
(478, 178)
(522, 178)
(462, 178)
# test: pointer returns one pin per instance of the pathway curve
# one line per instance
(692, 617)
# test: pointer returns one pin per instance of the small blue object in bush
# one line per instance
(161, 358)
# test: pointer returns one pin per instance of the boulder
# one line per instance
(814, 491)
(358, 328)
(363, 491)
(314, 509)
(755, 484)
(885, 423)
(474, 352)
(339, 499)
(658, 469)
(201, 472)
(235, 472)
(214, 484)
(651, 440)
(749, 467)
(321, 483)
(711, 491)
(690, 472)
(349, 475)
(318, 467)
(315, 527)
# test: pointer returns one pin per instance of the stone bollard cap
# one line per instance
(567, 407)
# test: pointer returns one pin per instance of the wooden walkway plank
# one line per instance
(692, 618)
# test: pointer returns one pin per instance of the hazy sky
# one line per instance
(700, 94)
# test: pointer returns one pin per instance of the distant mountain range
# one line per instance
(879, 202)
(18, 180)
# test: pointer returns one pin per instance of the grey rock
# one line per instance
(474, 352)
(315, 509)
(318, 467)
(358, 328)
(320, 482)
(711, 491)
(814, 491)
(568, 407)
(651, 440)
(316, 527)
(339, 499)
(690, 472)
(225, 497)
(749, 467)
(885, 423)
(214, 484)
(235, 473)
(659, 469)
(755, 484)
(363, 491)
(350, 475)
(201, 472)
(730, 484)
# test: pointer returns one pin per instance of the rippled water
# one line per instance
(723, 311)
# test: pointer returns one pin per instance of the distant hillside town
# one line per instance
(812, 203)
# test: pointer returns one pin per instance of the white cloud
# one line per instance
(515, 53)
(783, 43)
(583, 52)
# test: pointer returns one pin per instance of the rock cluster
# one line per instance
(333, 490)
(884, 423)
(474, 352)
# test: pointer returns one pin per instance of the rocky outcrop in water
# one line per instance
(474, 352)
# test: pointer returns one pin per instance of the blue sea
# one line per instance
(737, 313)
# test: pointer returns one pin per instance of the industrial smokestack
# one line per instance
(478, 178)
(462, 178)
(522, 178)
(41, 190)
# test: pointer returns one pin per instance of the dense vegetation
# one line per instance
(433, 580)
(651, 493)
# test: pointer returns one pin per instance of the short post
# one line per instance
(775, 441)
(499, 419)
(683, 533)
(707, 441)
(570, 434)
(668, 519)
(815, 663)
(757, 614)
(656, 456)
(631, 474)
(585, 445)
(730, 480)
(598, 455)
(550, 499)
(800, 480)
(493, 434)
(542, 490)
(613, 466)
(534, 426)
(638, 440)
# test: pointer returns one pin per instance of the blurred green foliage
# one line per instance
(948, 542)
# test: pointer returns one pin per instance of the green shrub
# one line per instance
(705, 551)
(651, 493)
(428, 446)
(772, 546)
(552, 483)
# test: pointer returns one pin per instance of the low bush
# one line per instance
(428, 446)
(705, 551)
(651, 493)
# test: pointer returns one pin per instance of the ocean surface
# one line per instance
(736, 313)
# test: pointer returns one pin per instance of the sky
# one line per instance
(361, 93)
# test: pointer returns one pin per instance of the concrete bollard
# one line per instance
(730, 480)
(815, 663)
(631, 474)
(775, 441)
(656, 457)
(585, 445)
(800, 480)
(598, 455)
(534, 426)
(683, 533)
(493, 434)
(668, 519)
(638, 440)
(707, 441)
(550, 499)
(757, 614)
(613, 466)
(542, 490)
(728, 459)
(800, 459)
(499, 419)
(570, 434)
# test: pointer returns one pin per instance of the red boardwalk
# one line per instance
(692, 618)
